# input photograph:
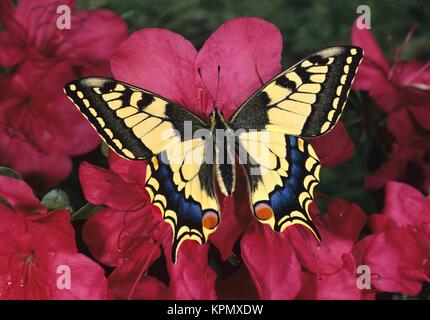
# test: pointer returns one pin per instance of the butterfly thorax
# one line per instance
(224, 142)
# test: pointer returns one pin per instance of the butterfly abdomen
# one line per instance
(224, 153)
(225, 161)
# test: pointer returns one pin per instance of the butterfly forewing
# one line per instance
(305, 100)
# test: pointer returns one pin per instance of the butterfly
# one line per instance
(189, 158)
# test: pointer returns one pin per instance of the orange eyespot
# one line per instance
(210, 220)
(263, 211)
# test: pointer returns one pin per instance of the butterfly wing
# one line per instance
(133, 122)
(138, 124)
(283, 172)
(305, 100)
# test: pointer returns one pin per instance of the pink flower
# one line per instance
(36, 117)
(129, 235)
(330, 267)
(246, 50)
(35, 245)
(405, 164)
(398, 253)
(400, 84)
(162, 61)
(335, 147)
(402, 90)
(294, 265)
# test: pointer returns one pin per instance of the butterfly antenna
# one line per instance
(258, 74)
(207, 90)
(217, 84)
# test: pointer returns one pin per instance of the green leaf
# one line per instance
(85, 212)
(8, 172)
(104, 148)
(6, 203)
(401, 296)
(234, 260)
(56, 199)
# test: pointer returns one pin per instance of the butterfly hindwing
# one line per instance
(192, 209)
(283, 172)
(138, 124)
(305, 100)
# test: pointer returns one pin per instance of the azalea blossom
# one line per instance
(332, 272)
(398, 253)
(35, 244)
(130, 236)
(295, 265)
(399, 84)
(240, 54)
(35, 116)
(402, 90)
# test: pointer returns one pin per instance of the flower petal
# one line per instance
(94, 37)
(137, 258)
(11, 49)
(271, 261)
(334, 147)
(397, 261)
(345, 219)
(149, 288)
(87, 280)
(191, 277)
(339, 229)
(129, 171)
(374, 65)
(102, 186)
(421, 114)
(32, 13)
(235, 214)
(245, 49)
(101, 234)
(393, 169)
(159, 61)
(43, 171)
(406, 205)
(19, 195)
(51, 231)
(341, 285)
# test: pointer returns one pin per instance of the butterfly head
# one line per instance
(217, 119)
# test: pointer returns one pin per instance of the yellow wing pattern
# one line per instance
(138, 124)
(305, 100)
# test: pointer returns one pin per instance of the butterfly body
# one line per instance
(187, 156)
(224, 152)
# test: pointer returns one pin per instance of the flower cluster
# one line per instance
(127, 244)
(402, 90)
(37, 121)
(36, 244)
